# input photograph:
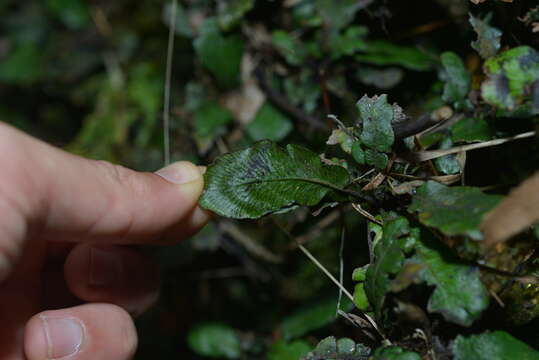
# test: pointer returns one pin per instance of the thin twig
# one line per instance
(250, 245)
(366, 214)
(433, 154)
(168, 82)
(341, 267)
(330, 276)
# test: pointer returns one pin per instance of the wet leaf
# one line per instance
(264, 179)
(457, 80)
(381, 78)
(311, 317)
(221, 54)
(230, 12)
(380, 52)
(288, 351)
(214, 340)
(471, 129)
(517, 212)
(376, 116)
(492, 345)
(394, 353)
(511, 78)
(488, 37)
(269, 123)
(452, 210)
(459, 295)
(342, 349)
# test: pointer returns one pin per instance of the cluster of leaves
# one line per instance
(387, 102)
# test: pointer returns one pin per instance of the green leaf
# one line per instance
(459, 294)
(342, 137)
(230, 12)
(452, 210)
(73, 13)
(357, 152)
(22, 64)
(361, 300)
(349, 42)
(377, 159)
(264, 179)
(214, 340)
(380, 52)
(447, 164)
(289, 47)
(470, 129)
(511, 78)
(220, 54)
(376, 116)
(394, 353)
(288, 351)
(210, 120)
(457, 80)
(311, 317)
(488, 37)
(342, 349)
(337, 14)
(269, 123)
(492, 345)
(381, 78)
(389, 252)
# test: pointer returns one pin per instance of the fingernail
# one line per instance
(64, 336)
(182, 172)
(105, 268)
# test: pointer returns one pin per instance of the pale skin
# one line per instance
(65, 222)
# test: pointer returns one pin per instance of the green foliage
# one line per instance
(342, 349)
(452, 210)
(214, 340)
(220, 54)
(389, 256)
(510, 78)
(488, 37)
(265, 179)
(459, 294)
(90, 77)
(231, 12)
(492, 345)
(288, 351)
(395, 353)
(457, 80)
(311, 317)
(269, 123)
(381, 52)
(470, 129)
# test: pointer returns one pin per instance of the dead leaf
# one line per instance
(245, 103)
(518, 211)
(375, 182)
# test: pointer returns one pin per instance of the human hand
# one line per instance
(62, 219)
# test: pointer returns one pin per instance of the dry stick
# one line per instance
(331, 277)
(168, 80)
(341, 268)
(250, 245)
(433, 154)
